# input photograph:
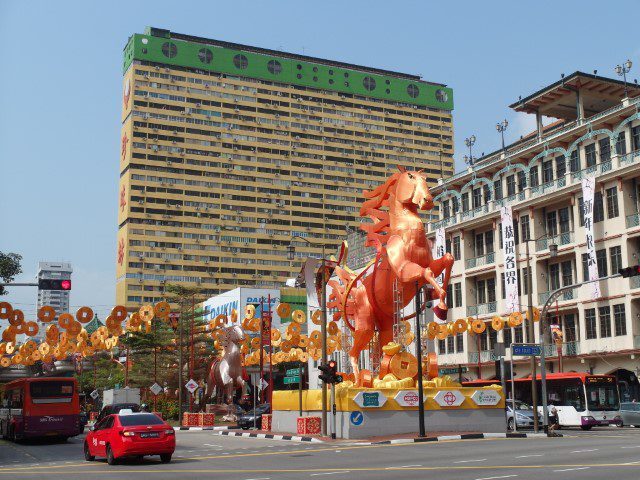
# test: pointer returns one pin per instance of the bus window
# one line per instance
(14, 398)
(44, 392)
(602, 397)
(575, 397)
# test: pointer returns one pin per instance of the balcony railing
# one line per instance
(633, 220)
(636, 341)
(487, 259)
(630, 158)
(481, 309)
(634, 282)
(475, 212)
(568, 295)
(568, 348)
(520, 196)
(551, 186)
(585, 172)
(562, 239)
(485, 356)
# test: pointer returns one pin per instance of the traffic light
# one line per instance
(52, 284)
(630, 271)
(330, 372)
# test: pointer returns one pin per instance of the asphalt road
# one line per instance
(604, 453)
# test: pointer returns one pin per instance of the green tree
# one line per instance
(9, 268)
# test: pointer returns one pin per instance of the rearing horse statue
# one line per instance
(366, 301)
(225, 373)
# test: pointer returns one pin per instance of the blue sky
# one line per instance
(61, 83)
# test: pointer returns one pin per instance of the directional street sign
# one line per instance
(191, 385)
(95, 394)
(293, 371)
(290, 380)
(263, 384)
(452, 370)
(525, 349)
(156, 389)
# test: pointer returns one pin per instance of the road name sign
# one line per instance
(525, 350)
(451, 370)
(293, 371)
(290, 380)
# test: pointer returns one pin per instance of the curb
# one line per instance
(270, 436)
(201, 428)
(464, 436)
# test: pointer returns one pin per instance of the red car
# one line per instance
(130, 435)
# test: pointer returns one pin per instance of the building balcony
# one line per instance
(551, 186)
(560, 240)
(633, 220)
(487, 259)
(568, 349)
(565, 296)
(482, 309)
(629, 159)
(516, 197)
(634, 282)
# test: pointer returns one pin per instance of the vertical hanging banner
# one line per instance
(510, 270)
(438, 252)
(588, 191)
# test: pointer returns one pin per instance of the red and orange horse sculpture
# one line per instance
(366, 301)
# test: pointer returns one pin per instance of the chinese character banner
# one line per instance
(588, 190)
(510, 269)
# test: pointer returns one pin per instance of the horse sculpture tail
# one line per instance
(340, 298)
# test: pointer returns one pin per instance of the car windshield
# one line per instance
(602, 397)
(140, 419)
(523, 406)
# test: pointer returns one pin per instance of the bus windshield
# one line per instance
(51, 391)
(602, 397)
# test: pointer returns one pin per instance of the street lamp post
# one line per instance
(501, 127)
(291, 250)
(622, 71)
(553, 250)
(469, 142)
(421, 427)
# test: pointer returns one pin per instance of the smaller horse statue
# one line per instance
(225, 374)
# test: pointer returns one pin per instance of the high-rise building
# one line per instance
(58, 299)
(596, 136)
(228, 150)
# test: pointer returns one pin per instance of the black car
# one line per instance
(115, 408)
(245, 421)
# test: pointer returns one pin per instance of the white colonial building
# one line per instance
(540, 176)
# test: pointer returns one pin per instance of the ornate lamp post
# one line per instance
(469, 142)
(622, 71)
(501, 127)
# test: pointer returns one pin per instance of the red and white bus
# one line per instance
(582, 400)
(40, 407)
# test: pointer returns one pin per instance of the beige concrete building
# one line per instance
(597, 134)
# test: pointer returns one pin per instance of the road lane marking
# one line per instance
(571, 469)
(403, 466)
(501, 476)
(584, 451)
(469, 461)
(261, 478)
(632, 446)
(328, 473)
(527, 456)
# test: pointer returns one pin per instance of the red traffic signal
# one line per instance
(330, 372)
(54, 284)
(630, 271)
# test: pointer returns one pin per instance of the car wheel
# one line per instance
(586, 427)
(620, 425)
(87, 453)
(111, 459)
(510, 424)
(165, 457)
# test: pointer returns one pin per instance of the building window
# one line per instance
(476, 197)
(488, 241)
(484, 340)
(590, 323)
(369, 83)
(504, 288)
(612, 202)
(621, 144)
(590, 154)
(479, 245)
(205, 55)
(567, 273)
(459, 343)
(511, 185)
(456, 248)
(615, 257)
(169, 50)
(449, 296)
(497, 189)
(598, 208)
(554, 276)
(605, 149)
(522, 181)
(534, 177)
(442, 347)
(241, 62)
(481, 292)
(487, 193)
(525, 281)
(508, 340)
(552, 224)
(620, 319)
(561, 166)
(605, 321)
(457, 293)
(518, 333)
(445, 210)
(491, 290)
(635, 138)
(547, 171)
(413, 90)
(465, 202)
(524, 227)
(450, 346)
(574, 161)
(569, 328)
(601, 258)
(563, 220)
(581, 211)
(274, 67)
(585, 267)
